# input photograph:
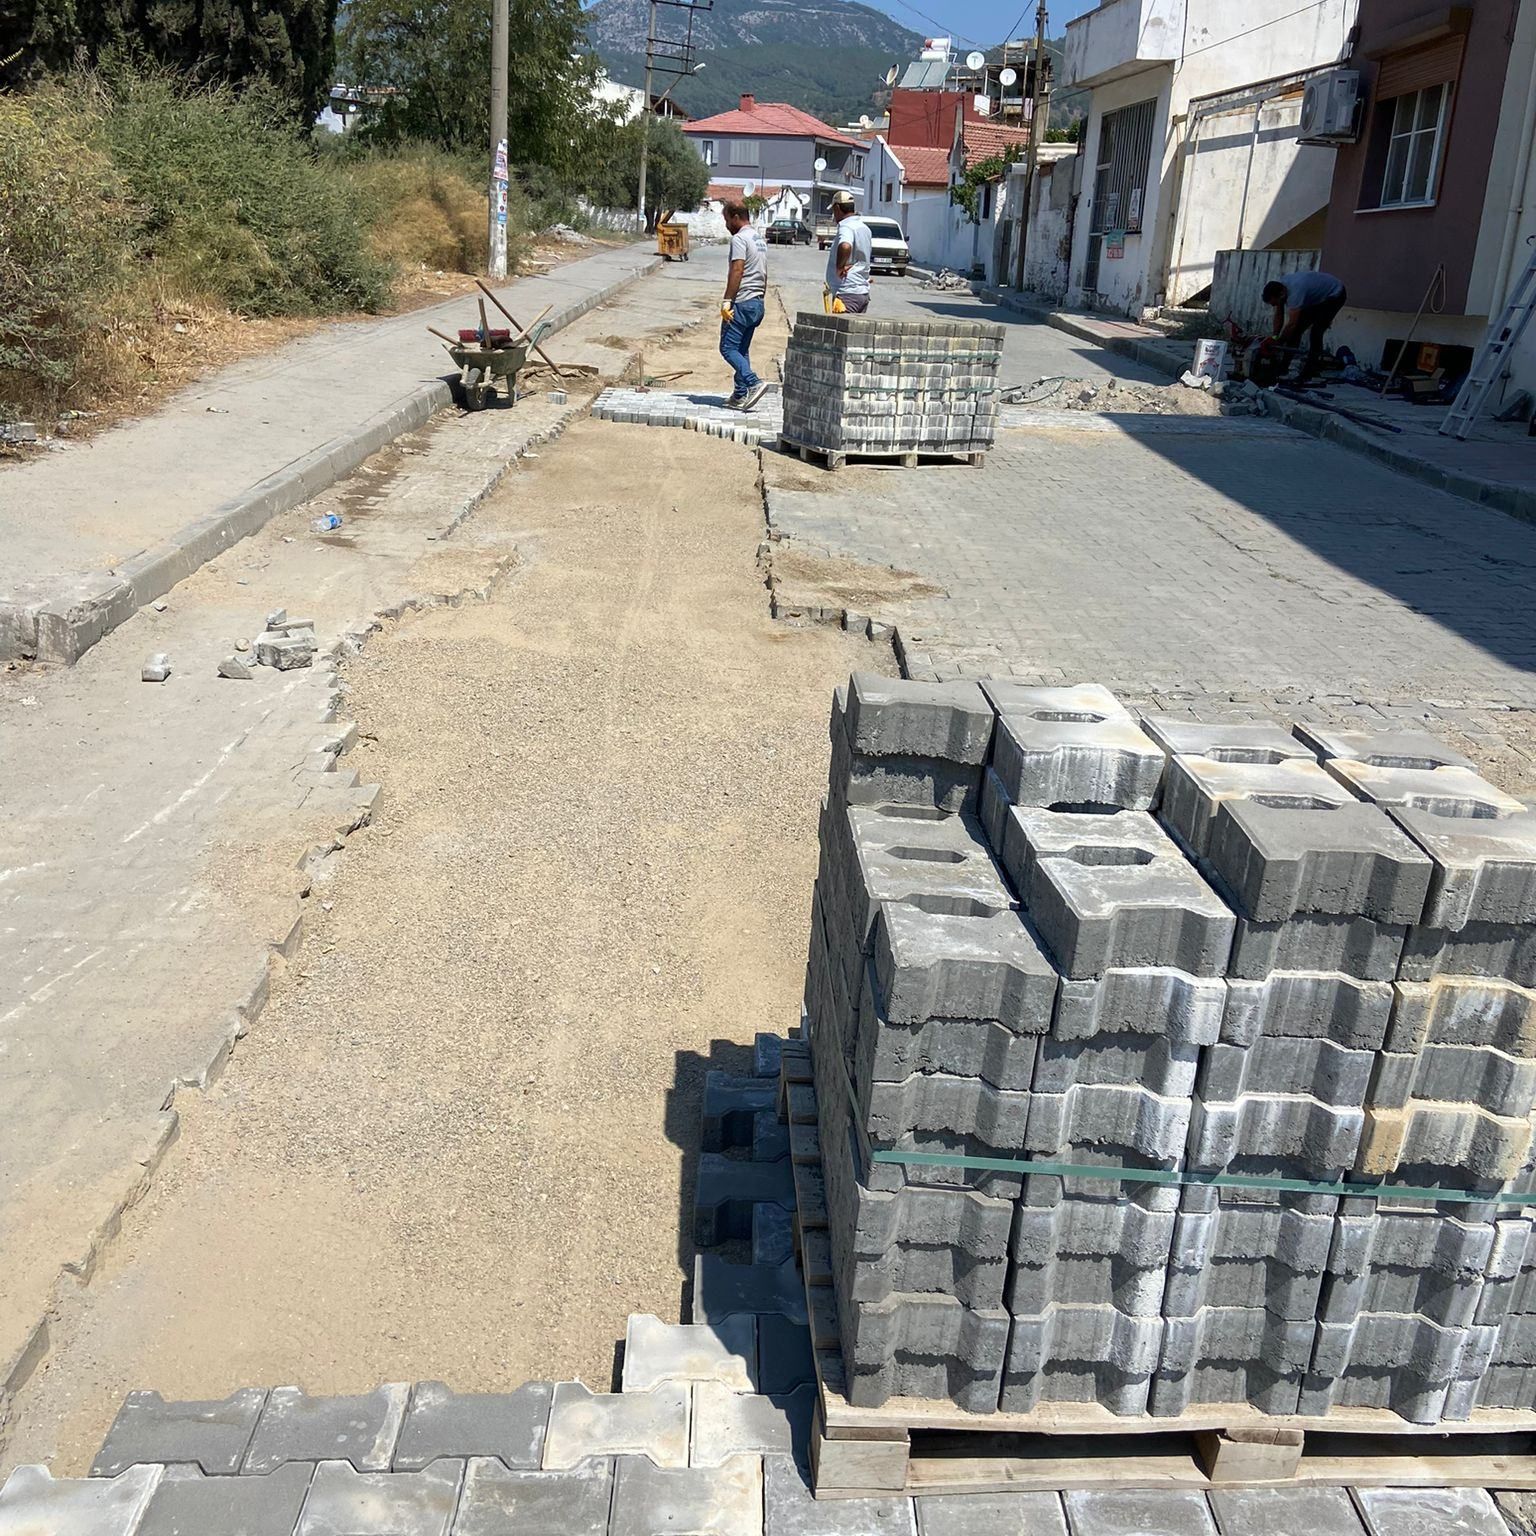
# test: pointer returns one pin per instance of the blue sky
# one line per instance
(980, 22)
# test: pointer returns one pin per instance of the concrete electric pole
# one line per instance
(496, 243)
(645, 108)
(1039, 112)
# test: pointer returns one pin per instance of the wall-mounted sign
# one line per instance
(1114, 244)
(1111, 209)
(1133, 213)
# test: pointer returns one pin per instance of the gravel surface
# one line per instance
(458, 1142)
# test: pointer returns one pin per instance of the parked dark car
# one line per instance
(789, 232)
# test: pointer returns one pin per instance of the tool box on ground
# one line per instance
(1162, 1064)
(859, 384)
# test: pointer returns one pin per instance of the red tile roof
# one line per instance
(983, 141)
(922, 164)
(769, 120)
(727, 191)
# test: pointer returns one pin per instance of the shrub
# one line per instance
(424, 207)
(63, 229)
(234, 204)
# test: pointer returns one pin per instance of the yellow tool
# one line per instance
(833, 306)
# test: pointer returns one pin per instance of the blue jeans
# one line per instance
(736, 341)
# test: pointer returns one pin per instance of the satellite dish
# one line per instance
(974, 60)
(864, 121)
(749, 189)
(1009, 76)
(821, 163)
(891, 74)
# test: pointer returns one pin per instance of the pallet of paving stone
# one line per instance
(918, 1446)
(836, 458)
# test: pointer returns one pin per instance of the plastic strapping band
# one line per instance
(1113, 1175)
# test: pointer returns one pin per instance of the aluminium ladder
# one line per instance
(1502, 337)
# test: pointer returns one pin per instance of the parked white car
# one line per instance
(888, 247)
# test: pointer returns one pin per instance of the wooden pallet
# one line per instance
(836, 458)
(917, 1446)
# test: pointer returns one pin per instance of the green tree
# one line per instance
(436, 53)
(287, 44)
(675, 176)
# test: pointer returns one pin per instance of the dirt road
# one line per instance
(458, 1142)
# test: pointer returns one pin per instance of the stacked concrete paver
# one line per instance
(873, 385)
(1046, 930)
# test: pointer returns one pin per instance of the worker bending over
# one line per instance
(741, 310)
(848, 265)
(1305, 301)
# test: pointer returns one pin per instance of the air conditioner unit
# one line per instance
(1330, 108)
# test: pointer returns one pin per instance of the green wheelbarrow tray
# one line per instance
(482, 367)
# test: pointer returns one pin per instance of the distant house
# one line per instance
(772, 144)
(1434, 192)
(896, 176)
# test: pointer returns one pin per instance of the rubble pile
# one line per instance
(1122, 397)
(860, 384)
(1225, 988)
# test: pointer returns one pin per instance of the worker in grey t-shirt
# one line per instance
(741, 310)
(848, 265)
(1305, 301)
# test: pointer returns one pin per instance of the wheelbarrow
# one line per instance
(487, 356)
(485, 361)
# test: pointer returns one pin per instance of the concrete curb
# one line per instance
(1513, 500)
(62, 629)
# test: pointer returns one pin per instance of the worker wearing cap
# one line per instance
(848, 265)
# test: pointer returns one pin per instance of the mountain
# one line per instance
(826, 56)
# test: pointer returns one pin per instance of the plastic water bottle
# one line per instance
(325, 524)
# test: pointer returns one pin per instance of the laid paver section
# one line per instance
(1136, 1512)
(187, 1503)
(1285, 1512)
(507, 1425)
(790, 1509)
(213, 1435)
(584, 1423)
(297, 1427)
(344, 1502)
(700, 1501)
(1430, 1512)
(574, 1503)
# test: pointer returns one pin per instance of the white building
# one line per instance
(1191, 141)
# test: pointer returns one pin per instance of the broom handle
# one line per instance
(513, 318)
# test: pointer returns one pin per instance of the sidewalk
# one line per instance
(93, 533)
(1496, 467)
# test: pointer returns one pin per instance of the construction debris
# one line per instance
(946, 281)
(156, 669)
(1258, 1004)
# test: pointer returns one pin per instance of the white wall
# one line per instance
(1238, 191)
(1048, 251)
(1211, 46)
(940, 235)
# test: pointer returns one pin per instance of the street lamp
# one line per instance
(647, 110)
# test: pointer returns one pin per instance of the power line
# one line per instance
(939, 27)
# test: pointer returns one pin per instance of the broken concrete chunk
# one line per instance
(285, 651)
(156, 669)
(289, 626)
(277, 618)
(235, 666)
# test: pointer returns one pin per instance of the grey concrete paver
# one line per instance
(1430, 1512)
(297, 1427)
(507, 1425)
(214, 1436)
(34, 1503)
(723, 1352)
(1138, 1512)
(345, 1502)
(188, 1503)
(991, 1514)
(726, 1423)
(496, 1502)
(583, 1423)
(1285, 1512)
(790, 1509)
(690, 1501)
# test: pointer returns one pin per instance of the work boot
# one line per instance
(734, 402)
(753, 395)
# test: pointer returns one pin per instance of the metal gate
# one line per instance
(1120, 179)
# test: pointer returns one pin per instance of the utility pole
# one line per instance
(497, 231)
(645, 108)
(1038, 114)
